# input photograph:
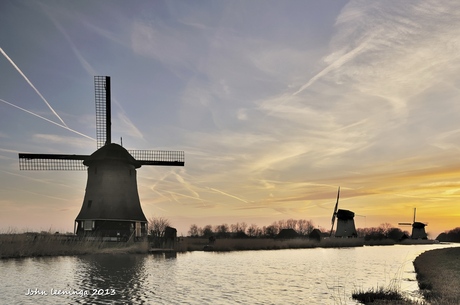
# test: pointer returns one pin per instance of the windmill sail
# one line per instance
(335, 212)
(51, 162)
(158, 157)
(103, 110)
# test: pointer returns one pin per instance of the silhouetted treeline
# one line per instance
(384, 231)
(302, 227)
(450, 236)
(242, 230)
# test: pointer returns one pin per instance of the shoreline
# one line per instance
(438, 275)
(40, 245)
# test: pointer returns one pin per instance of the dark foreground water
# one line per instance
(307, 276)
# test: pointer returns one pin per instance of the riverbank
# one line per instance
(42, 244)
(438, 274)
(33, 245)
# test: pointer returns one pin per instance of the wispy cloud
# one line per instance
(43, 118)
(33, 87)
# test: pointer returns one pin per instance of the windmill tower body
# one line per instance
(111, 208)
(418, 231)
(345, 221)
(345, 224)
(418, 228)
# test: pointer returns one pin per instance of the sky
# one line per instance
(275, 103)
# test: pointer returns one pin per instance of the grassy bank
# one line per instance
(438, 274)
(32, 245)
(242, 244)
(39, 244)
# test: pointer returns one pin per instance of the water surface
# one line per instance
(301, 276)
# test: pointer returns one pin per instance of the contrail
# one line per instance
(33, 87)
(226, 194)
(39, 116)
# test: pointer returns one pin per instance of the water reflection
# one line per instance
(111, 278)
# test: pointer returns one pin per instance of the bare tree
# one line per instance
(222, 230)
(291, 224)
(207, 231)
(243, 227)
(157, 226)
(304, 226)
(271, 231)
(252, 230)
(193, 232)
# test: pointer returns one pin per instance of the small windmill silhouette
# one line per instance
(345, 221)
(418, 228)
(111, 208)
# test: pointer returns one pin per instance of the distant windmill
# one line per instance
(345, 221)
(418, 228)
(111, 208)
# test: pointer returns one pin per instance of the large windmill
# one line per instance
(418, 228)
(111, 208)
(345, 221)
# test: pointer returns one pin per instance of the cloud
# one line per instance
(43, 118)
(47, 139)
(33, 87)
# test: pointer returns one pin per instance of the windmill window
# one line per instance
(88, 225)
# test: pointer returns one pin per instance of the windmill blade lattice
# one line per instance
(51, 162)
(103, 110)
(159, 157)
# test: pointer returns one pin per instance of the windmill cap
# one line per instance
(345, 214)
(418, 225)
(112, 152)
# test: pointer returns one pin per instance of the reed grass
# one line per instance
(385, 294)
(42, 244)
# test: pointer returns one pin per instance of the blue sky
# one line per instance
(275, 103)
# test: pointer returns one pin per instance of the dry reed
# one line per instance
(39, 244)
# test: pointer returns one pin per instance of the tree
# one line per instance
(304, 227)
(222, 230)
(291, 224)
(252, 230)
(193, 232)
(157, 226)
(207, 231)
(385, 228)
(271, 231)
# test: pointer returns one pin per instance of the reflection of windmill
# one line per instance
(111, 208)
(418, 228)
(345, 221)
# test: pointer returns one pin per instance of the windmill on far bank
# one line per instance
(111, 208)
(345, 221)
(418, 228)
